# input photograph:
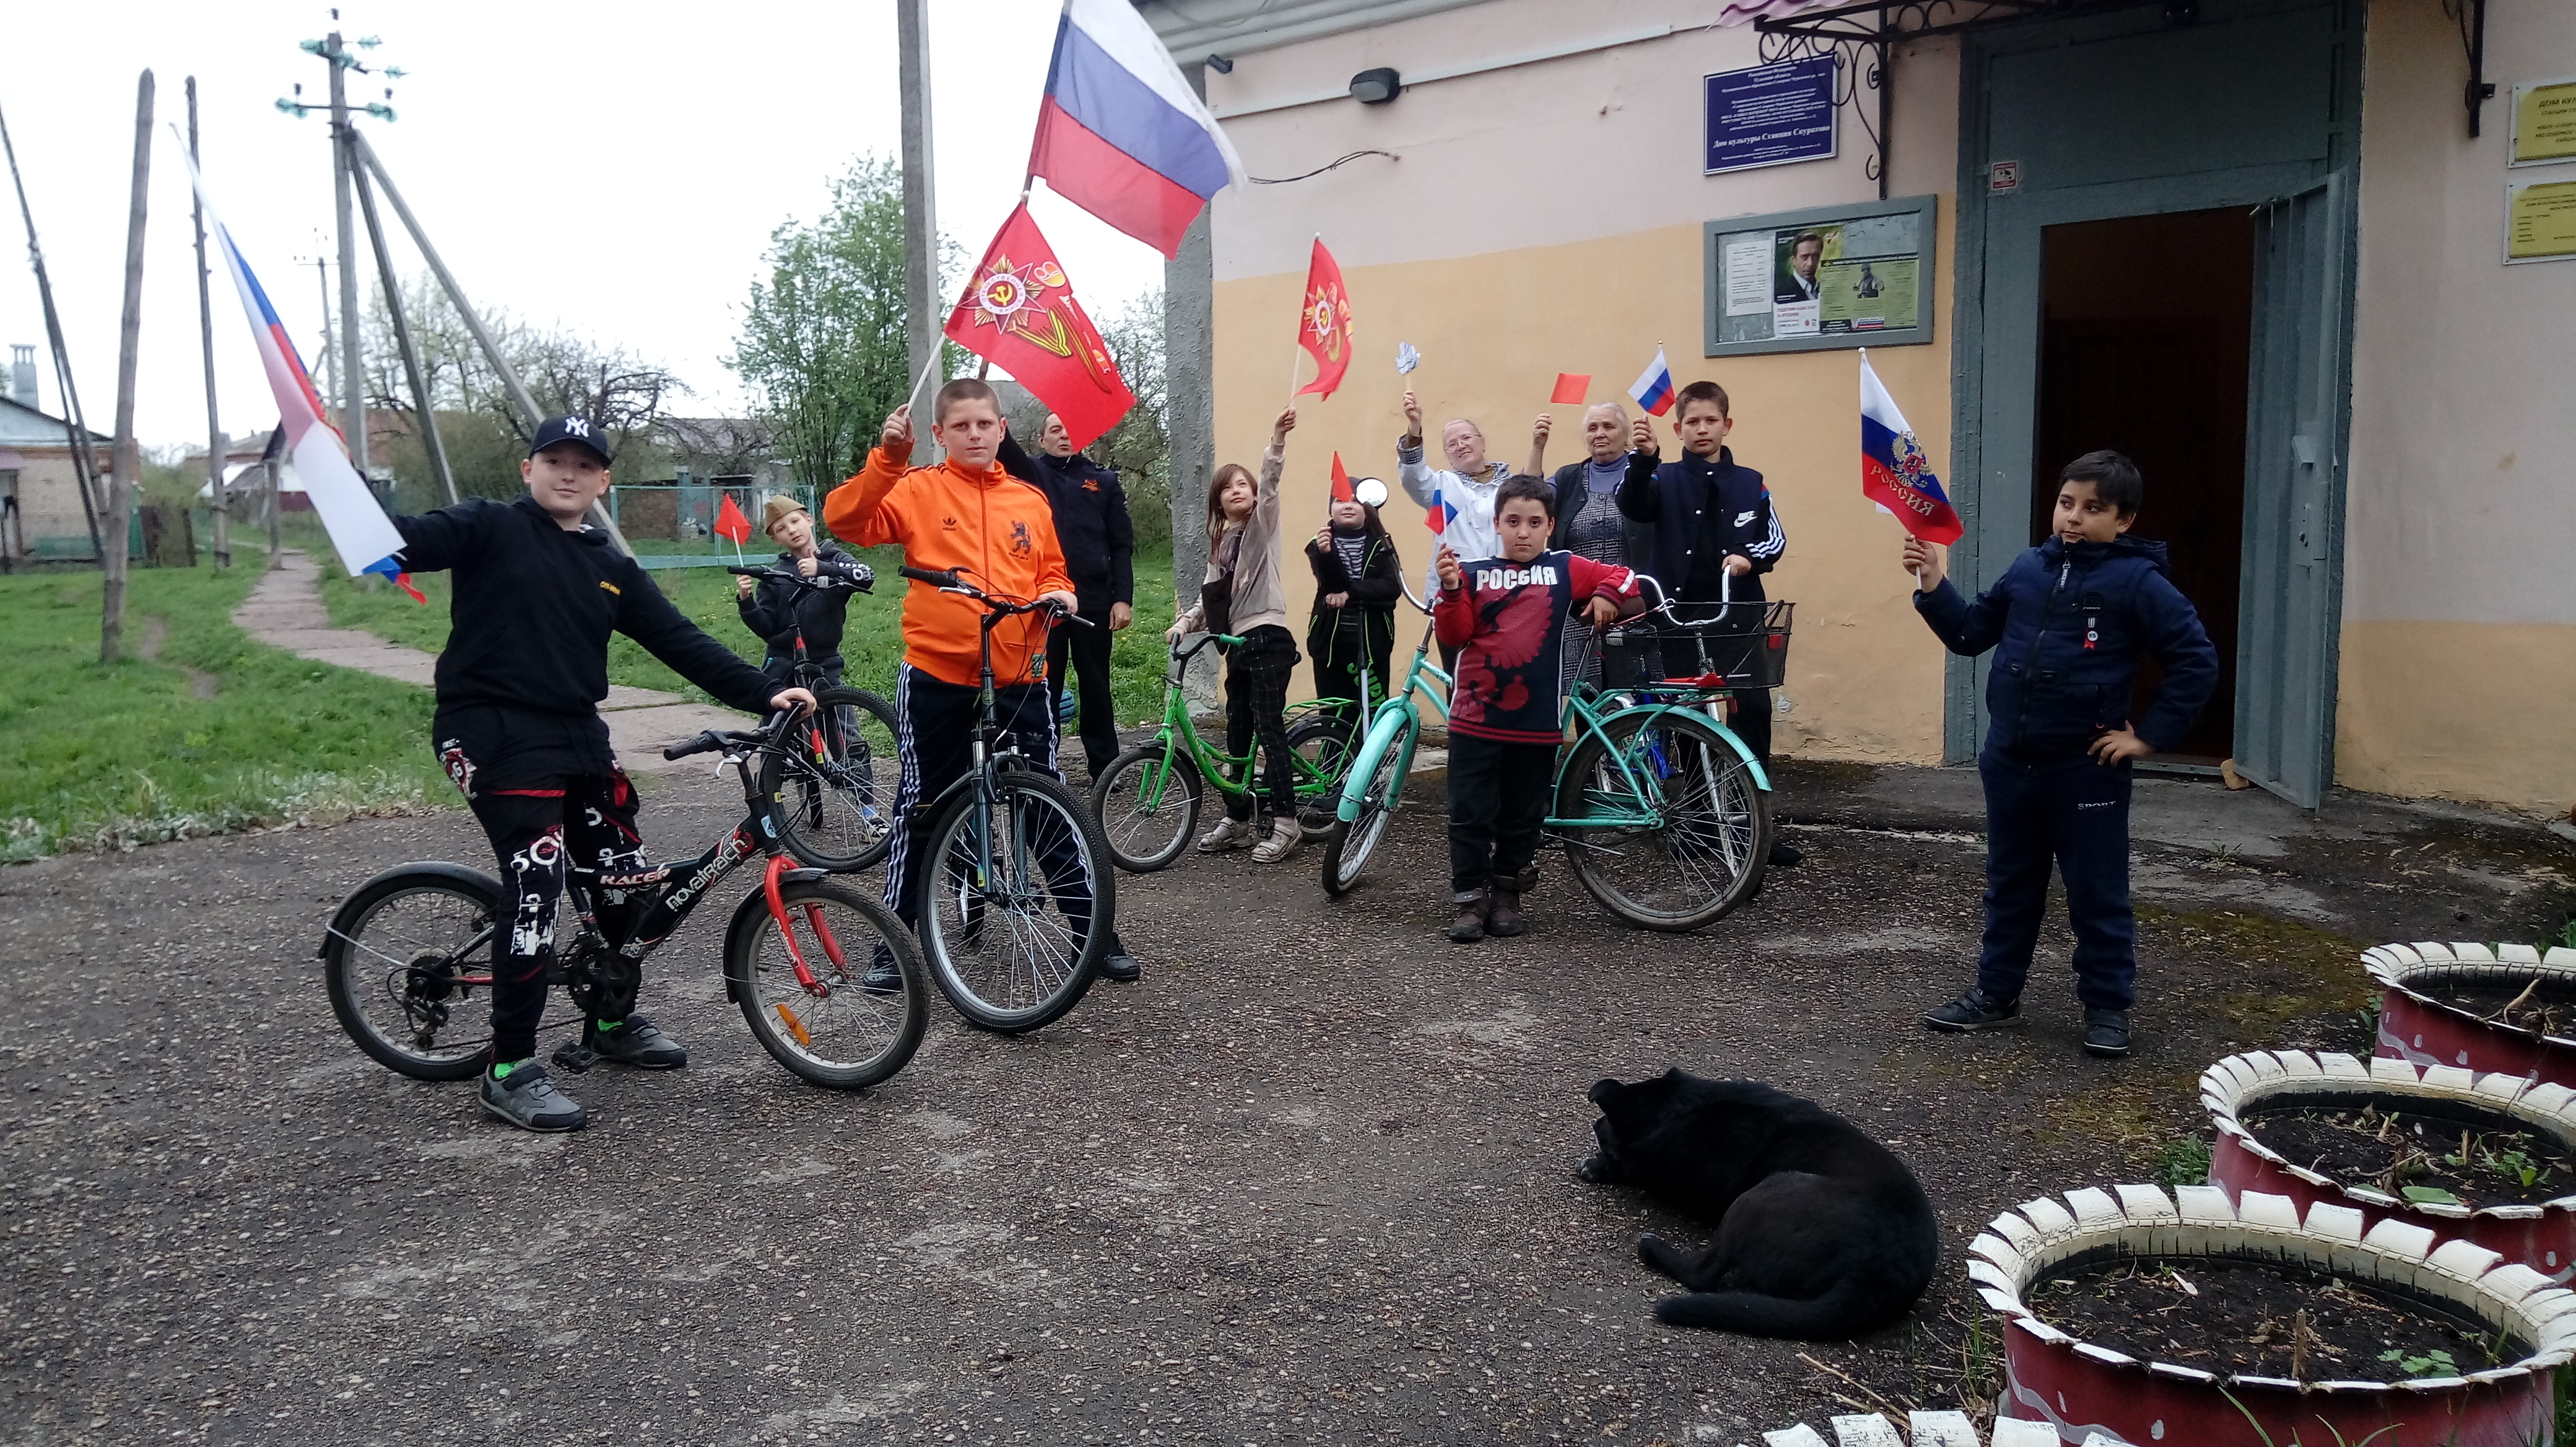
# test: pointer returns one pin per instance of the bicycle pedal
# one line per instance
(575, 1057)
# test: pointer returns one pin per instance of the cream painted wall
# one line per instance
(2459, 644)
(1533, 231)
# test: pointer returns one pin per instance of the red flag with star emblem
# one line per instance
(1019, 314)
(1324, 327)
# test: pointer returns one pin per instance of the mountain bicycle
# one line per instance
(828, 979)
(1009, 839)
(1148, 801)
(832, 796)
(1664, 812)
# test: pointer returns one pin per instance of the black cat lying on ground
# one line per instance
(1822, 1232)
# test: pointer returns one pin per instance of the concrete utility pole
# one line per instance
(353, 367)
(920, 223)
(403, 341)
(1189, 372)
(128, 461)
(206, 325)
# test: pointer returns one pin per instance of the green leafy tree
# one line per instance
(822, 340)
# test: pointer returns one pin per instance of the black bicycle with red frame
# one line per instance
(830, 981)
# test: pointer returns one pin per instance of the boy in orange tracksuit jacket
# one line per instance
(969, 514)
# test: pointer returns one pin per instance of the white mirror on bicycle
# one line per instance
(1369, 491)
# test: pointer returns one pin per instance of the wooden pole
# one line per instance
(128, 460)
(268, 468)
(84, 460)
(206, 327)
(402, 339)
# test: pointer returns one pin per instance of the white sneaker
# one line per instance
(1284, 838)
(1228, 834)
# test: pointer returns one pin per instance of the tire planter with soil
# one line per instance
(2247, 1094)
(2434, 1008)
(2081, 1388)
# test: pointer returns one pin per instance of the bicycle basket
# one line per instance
(1745, 645)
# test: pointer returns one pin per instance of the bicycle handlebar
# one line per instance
(858, 576)
(951, 581)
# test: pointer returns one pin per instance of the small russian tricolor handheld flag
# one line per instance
(1894, 471)
(1441, 512)
(1654, 388)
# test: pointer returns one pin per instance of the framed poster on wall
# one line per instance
(1838, 276)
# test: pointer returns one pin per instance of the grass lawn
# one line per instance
(871, 645)
(96, 757)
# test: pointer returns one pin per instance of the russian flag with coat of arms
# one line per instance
(1894, 472)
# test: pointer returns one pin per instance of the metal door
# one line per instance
(2298, 402)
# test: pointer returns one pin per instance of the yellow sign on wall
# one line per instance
(2540, 221)
(2544, 122)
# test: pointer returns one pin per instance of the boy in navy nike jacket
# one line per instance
(1506, 617)
(2068, 621)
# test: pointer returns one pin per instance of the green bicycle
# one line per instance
(1148, 799)
(1664, 812)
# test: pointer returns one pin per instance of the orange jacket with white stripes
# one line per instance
(1000, 530)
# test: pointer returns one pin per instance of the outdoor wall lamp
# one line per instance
(1376, 87)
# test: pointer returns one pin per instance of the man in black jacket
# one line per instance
(1099, 542)
(1715, 535)
(537, 593)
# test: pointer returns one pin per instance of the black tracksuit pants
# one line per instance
(1344, 651)
(2075, 815)
(551, 798)
(935, 725)
(1498, 796)
(1087, 649)
(1256, 710)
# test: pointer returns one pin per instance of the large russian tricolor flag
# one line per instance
(1121, 134)
(1894, 472)
(359, 529)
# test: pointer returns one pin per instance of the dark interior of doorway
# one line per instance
(2145, 328)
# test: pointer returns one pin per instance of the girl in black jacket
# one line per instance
(1358, 578)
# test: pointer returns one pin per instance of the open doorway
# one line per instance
(2145, 337)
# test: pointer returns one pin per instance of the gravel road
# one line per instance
(1311, 1181)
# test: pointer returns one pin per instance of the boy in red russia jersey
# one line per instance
(1506, 617)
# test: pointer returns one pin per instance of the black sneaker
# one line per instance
(519, 1092)
(2106, 1033)
(633, 1041)
(1119, 965)
(882, 978)
(1975, 1010)
(1785, 856)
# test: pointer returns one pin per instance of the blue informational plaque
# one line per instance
(1770, 115)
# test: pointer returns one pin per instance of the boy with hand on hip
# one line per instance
(2068, 621)
(538, 591)
(966, 513)
(1506, 618)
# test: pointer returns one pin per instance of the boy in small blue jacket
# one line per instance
(2068, 621)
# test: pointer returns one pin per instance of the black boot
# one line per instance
(1503, 915)
(1469, 926)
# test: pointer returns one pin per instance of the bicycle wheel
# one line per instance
(830, 796)
(1148, 805)
(1710, 832)
(408, 965)
(1321, 747)
(1012, 887)
(838, 1031)
(1349, 843)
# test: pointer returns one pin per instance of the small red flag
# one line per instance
(1569, 386)
(1019, 314)
(403, 581)
(730, 523)
(1324, 326)
(1341, 481)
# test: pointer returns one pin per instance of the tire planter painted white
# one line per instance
(2082, 1390)
(2421, 1030)
(2541, 1236)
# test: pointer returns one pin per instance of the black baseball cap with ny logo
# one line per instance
(569, 429)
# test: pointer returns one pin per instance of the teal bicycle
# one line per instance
(1664, 812)
(1148, 800)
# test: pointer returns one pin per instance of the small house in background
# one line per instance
(708, 456)
(41, 515)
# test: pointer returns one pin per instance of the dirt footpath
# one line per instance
(1311, 1181)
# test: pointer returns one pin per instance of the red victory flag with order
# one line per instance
(1324, 325)
(1019, 314)
(730, 523)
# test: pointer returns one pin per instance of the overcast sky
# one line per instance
(612, 169)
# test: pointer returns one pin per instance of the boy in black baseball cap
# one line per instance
(537, 593)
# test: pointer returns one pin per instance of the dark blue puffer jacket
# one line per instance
(2068, 626)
